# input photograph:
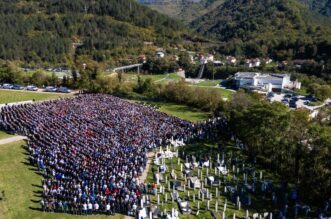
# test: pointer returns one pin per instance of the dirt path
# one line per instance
(12, 139)
(143, 176)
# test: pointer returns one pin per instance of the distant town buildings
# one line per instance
(253, 63)
(265, 82)
(231, 60)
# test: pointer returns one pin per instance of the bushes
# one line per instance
(204, 99)
(179, 92)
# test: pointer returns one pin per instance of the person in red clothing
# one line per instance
(154, 188)
(107, 192)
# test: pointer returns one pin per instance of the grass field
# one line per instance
(211, 83)
(183, 112)
(20, 187)
(10, 96)
(223, 92)
(160, 78)
(180, 111)
(4, 135)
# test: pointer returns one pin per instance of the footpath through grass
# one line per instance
(10, 96)
(20, 187)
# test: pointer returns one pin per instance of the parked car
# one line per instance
(293, 104)
(50, 89)
(288, 95)
(7, 86)
(31, 88)
(63, 90)
(17, 87)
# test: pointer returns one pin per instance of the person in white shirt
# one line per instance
(90, 207)
(85, 208)
(96, 207)
(108, 208)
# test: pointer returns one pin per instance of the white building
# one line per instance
(231, 60)
(265, 82)
(252, 63)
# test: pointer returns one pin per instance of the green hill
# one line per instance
(56, 31)
(185, 10)
(283, 29)
(321, 6)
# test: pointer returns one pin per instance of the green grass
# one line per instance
(9, 96)
(4, 135)
(211, 83)
(21, 184)
(183, 112)
(180, 111)
(48, 73)
(158, 78)
(223, 92)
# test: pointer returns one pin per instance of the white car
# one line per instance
(7, 86)
(31, 88)
(50, 89)
(63, 90)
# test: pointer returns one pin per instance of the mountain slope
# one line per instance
(321, 6)
(280, 28)
(45, 30)
(186, 10)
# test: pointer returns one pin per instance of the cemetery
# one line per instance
(209, 180)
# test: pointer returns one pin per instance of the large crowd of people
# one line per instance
(92, 148)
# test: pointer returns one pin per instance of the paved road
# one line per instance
(41, 91)
(12, 139)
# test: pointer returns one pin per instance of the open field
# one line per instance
(223, 92)
(20, 187)
(159, 78)
(10, 96)
(211, 83)
(180, 111)
(4, 135)
(183, 112)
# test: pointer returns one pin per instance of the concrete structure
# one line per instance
(123, 68)
(265, 82)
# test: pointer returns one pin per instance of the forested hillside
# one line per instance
(45, 30)
(284, 29)
(321, 6)
(186, 10)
